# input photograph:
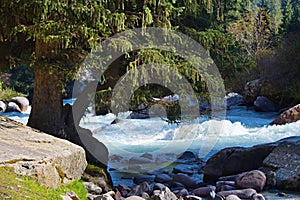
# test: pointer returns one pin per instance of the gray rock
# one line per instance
(192, 197)
(22, 103)
(285, 159)
(235, 160)
(254, 179)
(159, 186)
(187, 155)
(2, 106)
(162, 178)
(204, 191)
(186, 180)
(235, 99)
(135, 198)
(92, 188)
(166, 195)
(184, 192)
(143, 178)
(12, 107)
(242, 194)
(263, 104)
(53, 161)
(107, 196)
(124, 190)
(289, 116)
(140, 189)
(232, 197)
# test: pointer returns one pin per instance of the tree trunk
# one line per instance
(47, 109)
(46, 114)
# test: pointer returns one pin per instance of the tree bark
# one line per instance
(46, 114)
(47, 108)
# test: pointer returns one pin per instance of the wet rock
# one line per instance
(139, 161)
(174, 184)
(140, 189)
(22, 103)
(260, 87)
(124, 190)
(192, 197)
(2, 106)
(289, 116)
(235, 160)
(92, 188)
(225, 185)
(285, 160)
(162, 178)
(12, 107)
(143, 178)
(258, 197)
(159, 186)
(242, 194)
(263, 104)
(235, 99)
(232, 197)
(253, 179)
(184, 192)
(187, 155)
(204, 191)
(225, 188)
(107, 196)
(184, 169)
(186, 180)
(147, 155)
(166, 195)
(135, 198)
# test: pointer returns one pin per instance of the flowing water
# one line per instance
(164, 142)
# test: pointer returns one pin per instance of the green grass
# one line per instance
(13, 186)
(8, 93)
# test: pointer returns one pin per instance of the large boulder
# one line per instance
(235, 160)
(235, 99)
(289, 116)
(22, 103)
(53, 161)
(263, 104)
(254, 179)
(260, 87)
(2, 106)
(284, 160)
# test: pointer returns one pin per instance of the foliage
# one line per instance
(234, 32)
(23, 187)
(8, 93)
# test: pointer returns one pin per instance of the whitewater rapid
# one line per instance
(204, 136)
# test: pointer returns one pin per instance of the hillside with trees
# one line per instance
(246, 39)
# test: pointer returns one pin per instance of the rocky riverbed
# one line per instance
(267, 171)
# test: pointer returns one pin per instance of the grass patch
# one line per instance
(13, 186)
(8, 93)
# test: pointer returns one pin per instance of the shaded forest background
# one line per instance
(42, 43)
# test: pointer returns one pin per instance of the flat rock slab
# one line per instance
(52, 160)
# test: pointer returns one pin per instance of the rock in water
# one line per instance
(289, 116)
(12, 107)
(263, 104)
(242, 194)
(285, 160)
(235, 99)
(232, 197)
(22, 102)
(235, 160)
(2, 106)
(254, 179)
(53, 161)
(204, 191)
